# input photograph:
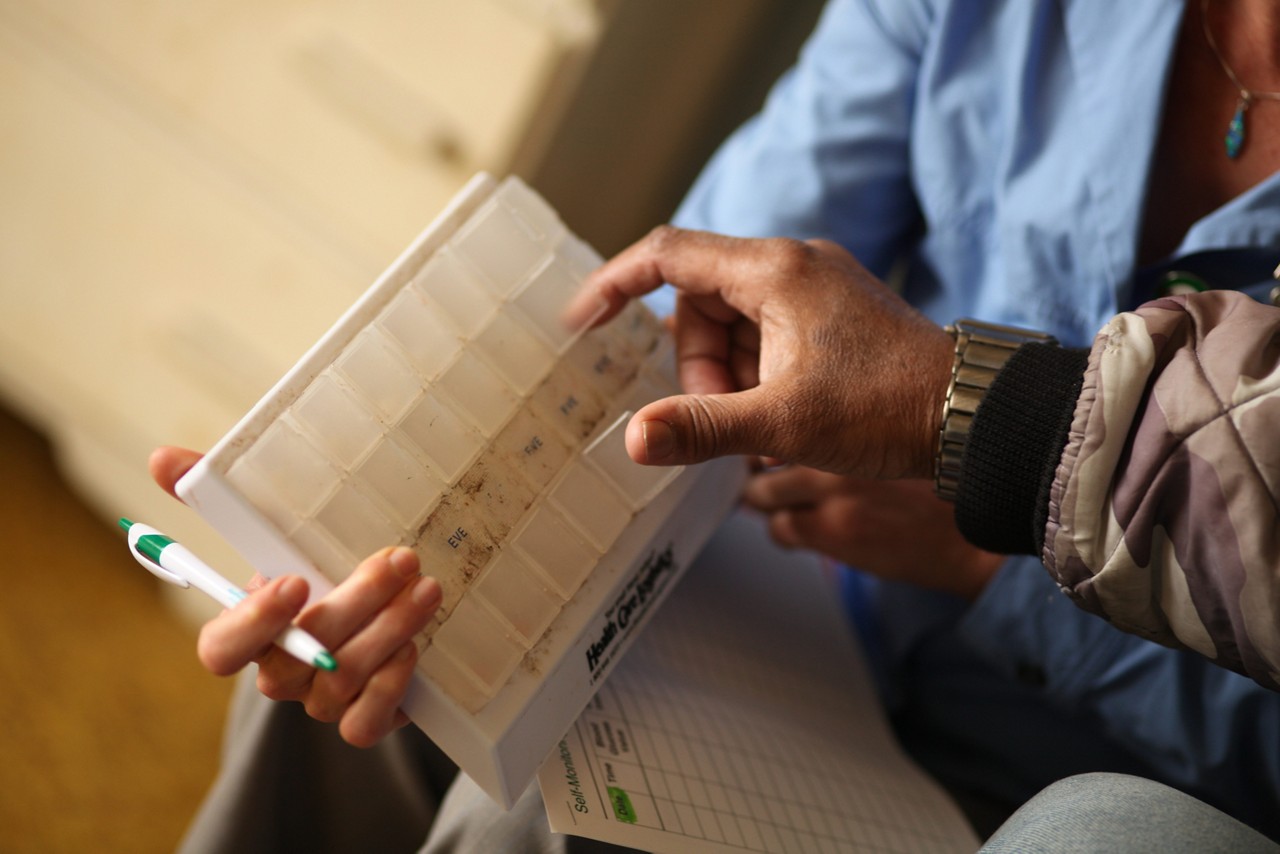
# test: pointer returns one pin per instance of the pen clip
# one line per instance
(154, 568)
(143, 542)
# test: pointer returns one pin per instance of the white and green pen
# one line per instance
(175, 564)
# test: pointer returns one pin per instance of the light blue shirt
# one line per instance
(1002, 149)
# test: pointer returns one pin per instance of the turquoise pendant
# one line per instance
(1235, 131)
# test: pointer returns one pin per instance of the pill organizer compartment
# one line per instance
(450, 410)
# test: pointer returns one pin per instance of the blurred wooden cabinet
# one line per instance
(194, 190)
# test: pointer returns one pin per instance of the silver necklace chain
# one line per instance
(1235, 137)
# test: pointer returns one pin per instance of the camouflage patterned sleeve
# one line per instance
(1164, 513)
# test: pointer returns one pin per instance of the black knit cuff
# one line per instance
(1014, 446)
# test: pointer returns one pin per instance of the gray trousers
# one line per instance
(1116, 812)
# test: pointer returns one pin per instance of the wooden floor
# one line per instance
(109, 729)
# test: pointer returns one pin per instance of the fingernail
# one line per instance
(659, 441)
(427, 593)
(404, 561)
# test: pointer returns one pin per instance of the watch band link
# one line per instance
(981, 351)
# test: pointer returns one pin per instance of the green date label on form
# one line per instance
(622, 808)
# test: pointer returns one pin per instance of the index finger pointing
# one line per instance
(699, 263)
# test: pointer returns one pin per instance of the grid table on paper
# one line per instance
(726, 766)
(464, 420)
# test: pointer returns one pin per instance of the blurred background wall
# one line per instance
(192, 191)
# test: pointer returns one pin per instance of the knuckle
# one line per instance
(829, 249)
(759, 496)
(322, 709)
(854, 528)
(789, 258)
(661, 237)
(705, 433)
(342, 684)
(362, 725)
(259, 610)
(357, 731)
(391, 682)
(782, 530)
(783, 423)
(273, 687)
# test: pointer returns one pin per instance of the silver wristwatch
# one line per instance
(981, 351)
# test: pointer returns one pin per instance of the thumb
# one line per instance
(168, 464)
(693, 428)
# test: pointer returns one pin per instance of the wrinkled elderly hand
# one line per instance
(898, 530)
(368, 622)
(786, 349)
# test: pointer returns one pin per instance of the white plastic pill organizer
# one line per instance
(450, 410)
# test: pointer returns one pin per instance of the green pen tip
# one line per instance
(325, 661)
(125, 523)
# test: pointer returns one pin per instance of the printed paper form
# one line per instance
(744, 719)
